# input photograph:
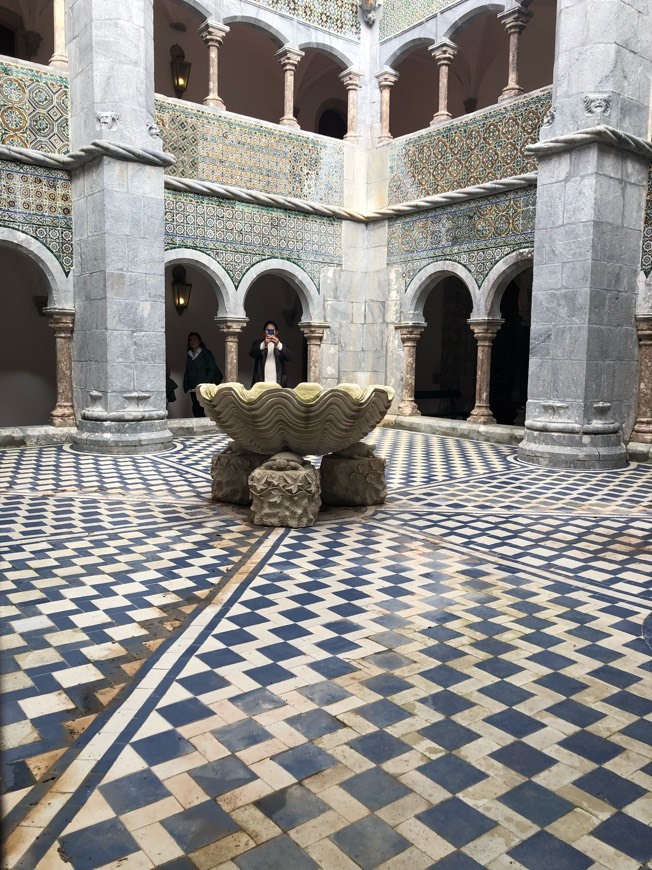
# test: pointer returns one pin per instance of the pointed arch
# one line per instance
(227, 300)
(299, 279)
(419, 287)
(499, 277)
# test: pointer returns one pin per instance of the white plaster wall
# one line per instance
(27, 347)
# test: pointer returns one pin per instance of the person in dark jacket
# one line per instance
(270, 356)
(201, 368)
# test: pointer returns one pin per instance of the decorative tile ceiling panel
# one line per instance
(38, 202)
(238, 235)
(214, 147)
(398, 15)
(475, 233)
(34, 108)
(338, 16)
(467, 151)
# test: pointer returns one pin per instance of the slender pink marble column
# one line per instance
(231, 327)
(386, 78)
(642, 430)
(443, 52)
(62, 322)
(485, 332)
(314, 333)
(289, 58)
(59, 58)
(514, 21)
(350, 78)
(212, 32)
(410, 334)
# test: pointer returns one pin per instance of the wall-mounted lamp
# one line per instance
(180, 70)
(180, 289)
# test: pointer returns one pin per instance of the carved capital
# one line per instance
(212, 32)
(386, 78)
(485, 330)
(231, 325)
(515, 20)
(289, 57)
(350, 78)
(443, 51)
(410, 332)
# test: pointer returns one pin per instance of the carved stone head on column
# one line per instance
(369, 9)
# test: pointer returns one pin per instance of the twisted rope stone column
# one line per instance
(514, 22)
(386, 79)
(62, 322)
(212, 32)
(314, 334)
(289, 58)
(444, 53)
(59, 58)
(231, 327)
(485, 332)
(350, 78)
(642, 431)
(410, 334)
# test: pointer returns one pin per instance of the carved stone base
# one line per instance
(230, 470)
(355, 476)
(285, 492)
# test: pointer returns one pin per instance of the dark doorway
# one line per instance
(511, 352)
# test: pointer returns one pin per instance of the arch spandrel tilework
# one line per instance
(476, 234)
(239, 235)
(337, 16)
(215, 147)
(646, 254)
(485, 147)
(397, 15)
(34, 109)
(38, 202)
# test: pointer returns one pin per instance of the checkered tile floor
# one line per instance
(461, 678)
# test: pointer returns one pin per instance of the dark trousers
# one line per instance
(197, 410)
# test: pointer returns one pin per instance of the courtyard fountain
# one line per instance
(275, 428)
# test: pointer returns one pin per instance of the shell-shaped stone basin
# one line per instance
(305, 420)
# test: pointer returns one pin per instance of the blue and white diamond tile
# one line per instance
(458, 679)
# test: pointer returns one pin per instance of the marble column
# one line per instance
(314, 333)
(62, 322)
(231, 327)
(642, 430)
(485, 332)
(289, 58)
(443, 52)
(514, 22)
(350, 78)
(386, 79)
(212, 32)
(59, 58)
(410, 334)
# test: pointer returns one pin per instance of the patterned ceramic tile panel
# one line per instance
(33, 108)
(398, 15)
(240, 235)
(215, 147)
(338, 16)
(483, 148)
(646, 258)
(37, 201)
(476, 234)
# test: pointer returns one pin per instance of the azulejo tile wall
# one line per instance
(482, 148)
(477, 233)
(214, 147)
(646, 255)
(37, 201)
(338, 16)
(397, 15)
(34, 108)
(238, 235)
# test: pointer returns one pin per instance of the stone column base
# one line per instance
(230, 470)
(563, 450)
(354, 477)
(150, 436)
(285, 492)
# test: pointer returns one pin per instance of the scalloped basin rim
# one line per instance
(307, 393)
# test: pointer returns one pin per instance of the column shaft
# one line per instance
(485, 332)
(514, 21)
(62, 323)
(231, 329)
(444, 53)
(642, 430)
(410, 334)
(59, 58)
(386, 78)
(212, 32)
(289, 58)
(351, 81)
(314, 334)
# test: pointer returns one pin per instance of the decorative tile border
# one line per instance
(38, 202)
(240, 235)
(338, 16)
(482, 148)
(34, 108)
(476, 234)
(214, 147)
(398, 15)
(646, 253)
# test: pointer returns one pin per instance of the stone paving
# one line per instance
(461, 678)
